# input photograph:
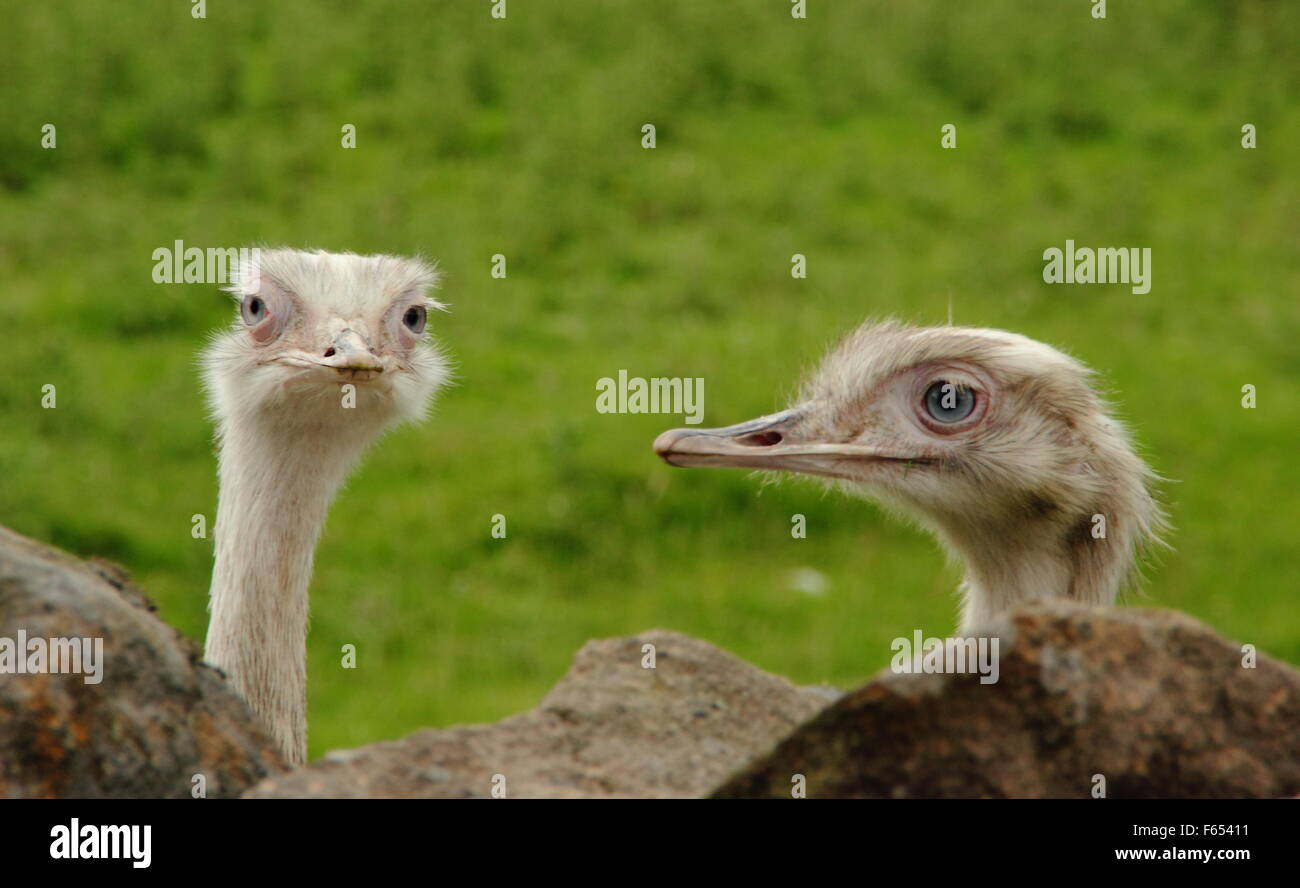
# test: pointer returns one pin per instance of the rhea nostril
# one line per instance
(762, 439)
(329, 352)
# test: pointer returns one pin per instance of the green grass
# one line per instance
(522, 137)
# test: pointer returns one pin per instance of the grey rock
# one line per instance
(609, 728)
(1153, 701)
(158, 717)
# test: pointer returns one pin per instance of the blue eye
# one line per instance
(253, 310)
(949, 402)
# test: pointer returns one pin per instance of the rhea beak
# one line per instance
(775, 442)
(351, 356)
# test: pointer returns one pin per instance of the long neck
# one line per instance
(995, 584)
(1030, 560)
(275, 494)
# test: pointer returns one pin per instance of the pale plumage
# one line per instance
(1017, 465)
(329, 351)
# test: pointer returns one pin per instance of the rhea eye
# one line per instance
(415, 318)
(253, 309)
(949, 402)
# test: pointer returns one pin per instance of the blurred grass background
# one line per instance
(775, 136)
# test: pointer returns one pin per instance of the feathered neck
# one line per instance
(276, 486)
(1082, 541)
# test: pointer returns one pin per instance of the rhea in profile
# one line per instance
(996, 443)
(328, 351)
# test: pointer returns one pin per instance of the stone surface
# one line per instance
(158, 717)
(609, 728)
(1152, 700)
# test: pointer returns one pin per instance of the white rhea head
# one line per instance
(996, 443)
(327, 352)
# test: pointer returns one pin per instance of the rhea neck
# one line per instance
(1025, 559)
(996, 583)
(278, 474)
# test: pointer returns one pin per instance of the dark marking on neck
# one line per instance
(1040, 507)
